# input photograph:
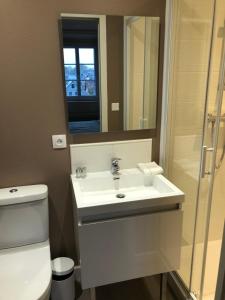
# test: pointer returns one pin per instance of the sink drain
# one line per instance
(120, 196)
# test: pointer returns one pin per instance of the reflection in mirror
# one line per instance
(110, 66)
(142, 50)
(80, 54)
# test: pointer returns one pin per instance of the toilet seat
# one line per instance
(25, 272)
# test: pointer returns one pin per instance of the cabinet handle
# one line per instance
(106, 218)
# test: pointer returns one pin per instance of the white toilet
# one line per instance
(25, 262)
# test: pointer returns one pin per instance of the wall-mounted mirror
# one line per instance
(110, 71)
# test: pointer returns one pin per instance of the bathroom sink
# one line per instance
(99, 195)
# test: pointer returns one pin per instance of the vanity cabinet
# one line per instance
(123, 248)
(122, 238)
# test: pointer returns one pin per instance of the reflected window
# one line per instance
(80, 72)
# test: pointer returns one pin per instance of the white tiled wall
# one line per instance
(97, 156)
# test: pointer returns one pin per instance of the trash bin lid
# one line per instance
(62, 266)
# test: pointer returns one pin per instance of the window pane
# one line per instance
(86, 55)
(69, 56)
(71, 88)
(87, 72)
(70, 72)
(88, 88)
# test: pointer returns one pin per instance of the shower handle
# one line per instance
(205, 149)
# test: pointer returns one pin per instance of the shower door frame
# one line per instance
(174, 277)
(219, 103)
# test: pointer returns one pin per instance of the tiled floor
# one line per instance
(139, 289)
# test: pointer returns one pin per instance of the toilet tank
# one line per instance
(23, 215)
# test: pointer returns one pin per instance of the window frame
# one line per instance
(79, 97)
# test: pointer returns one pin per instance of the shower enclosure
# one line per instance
(193, 154)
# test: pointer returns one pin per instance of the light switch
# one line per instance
(59, 141)
(115, 106)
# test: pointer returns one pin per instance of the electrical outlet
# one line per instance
(115, 106)
(59, 141)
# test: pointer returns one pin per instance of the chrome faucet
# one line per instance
(115, 167)
(81, 172)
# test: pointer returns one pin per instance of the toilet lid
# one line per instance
(25, 272)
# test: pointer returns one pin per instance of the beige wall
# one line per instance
(32, 105)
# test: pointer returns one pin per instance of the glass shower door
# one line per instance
(195, 144)
(210, 217)
(189, 69)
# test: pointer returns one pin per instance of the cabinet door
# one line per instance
(121, 249)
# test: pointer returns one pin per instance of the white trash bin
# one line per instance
(63, 282)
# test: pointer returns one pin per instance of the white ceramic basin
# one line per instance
(97, 193)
